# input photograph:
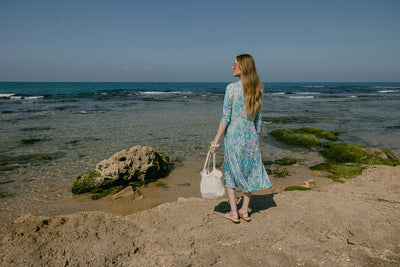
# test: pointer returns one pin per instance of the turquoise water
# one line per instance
(52, 132)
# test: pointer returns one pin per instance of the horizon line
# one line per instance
(195, 82)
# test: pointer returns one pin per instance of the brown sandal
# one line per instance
(233, 216)
(244, 215)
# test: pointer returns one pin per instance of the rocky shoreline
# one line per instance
(351, 223)
(126, 171)
(342, 224)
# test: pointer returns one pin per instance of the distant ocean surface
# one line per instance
(52, 132)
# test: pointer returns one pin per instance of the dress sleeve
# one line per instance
(227, 109)
(258, 122)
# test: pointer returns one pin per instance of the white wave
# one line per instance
(152, 93)
(307, 93)
(298, 97)
(6, 95)
(33, 97)
(388, 91)
(14, 97)
(279, 93)
(163, 93)
(352, 96)
(313, 86)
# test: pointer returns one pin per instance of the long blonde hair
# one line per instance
(252, 87)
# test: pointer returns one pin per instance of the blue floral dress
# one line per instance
(243, 166)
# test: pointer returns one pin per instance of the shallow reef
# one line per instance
(342, 160)
(342, 153)
(8, 163)
(305, 137)
(349, 160)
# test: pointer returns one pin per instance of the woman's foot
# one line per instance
(233, 216)
(244, 215)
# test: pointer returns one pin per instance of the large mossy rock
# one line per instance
(354, 153)
(139, 165)
(340, 170)
(349, 160)
(305, 137)
(293, 137)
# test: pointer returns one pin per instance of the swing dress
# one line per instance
(243, 166)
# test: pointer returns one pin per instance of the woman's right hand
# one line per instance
(213, 146)
(212, 149)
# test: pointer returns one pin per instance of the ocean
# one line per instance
(52, 132)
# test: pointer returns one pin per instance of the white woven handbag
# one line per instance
(211, 185)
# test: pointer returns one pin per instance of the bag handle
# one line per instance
(214, 160)
(207, 163)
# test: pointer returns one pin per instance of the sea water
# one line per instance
(52, 132)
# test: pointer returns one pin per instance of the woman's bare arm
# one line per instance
(221, 130)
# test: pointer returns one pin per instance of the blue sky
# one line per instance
(156, 41)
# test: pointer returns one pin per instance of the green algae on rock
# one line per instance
(331, 136)
(299, 188)
(85, 183)
(103, 193)
(162, 185)
(359, 154)
(305, 137)
(349, 160)
(286, 161)
(291, 136)
(280, 172)
(340, 170)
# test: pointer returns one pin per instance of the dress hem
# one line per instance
(250, 191)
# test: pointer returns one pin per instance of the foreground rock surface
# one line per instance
(352, 224)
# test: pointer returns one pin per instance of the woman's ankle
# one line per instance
(243, 210)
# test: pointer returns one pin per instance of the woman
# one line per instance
(241, 123)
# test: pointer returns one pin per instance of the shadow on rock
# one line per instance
(257, 203)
